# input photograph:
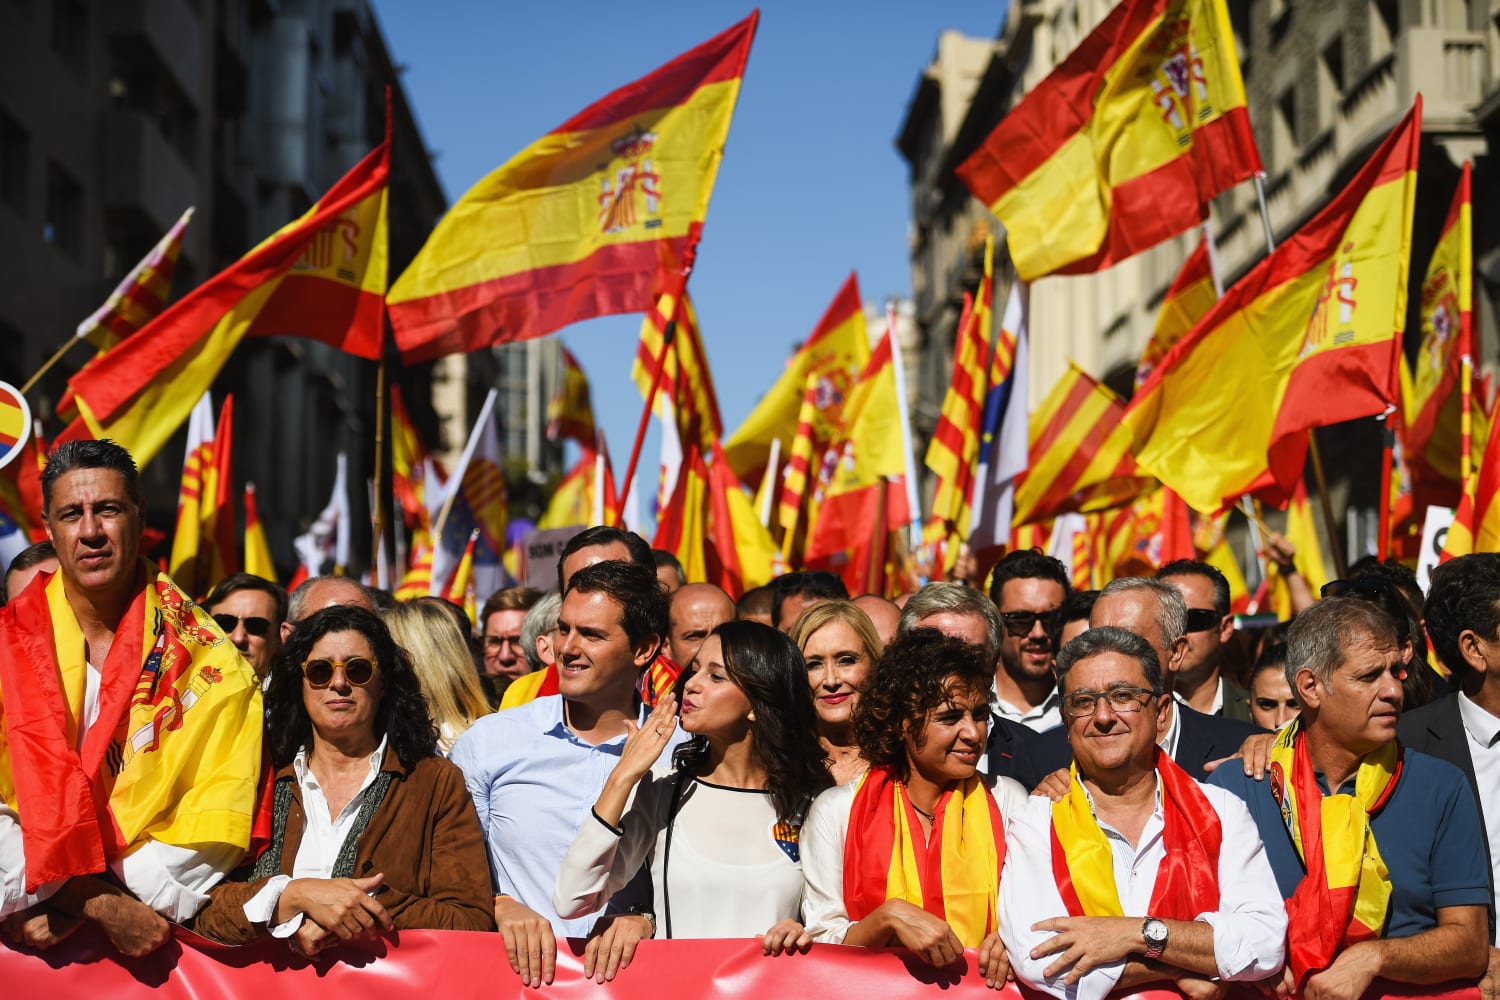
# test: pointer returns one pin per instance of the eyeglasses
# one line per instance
(358, 671)
(256, 626)
(1202, 619)
(1020, 623)
(1123, 698)
(496, 641)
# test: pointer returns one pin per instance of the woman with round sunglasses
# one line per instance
(840, 647)
(910, 854)
(719, 826)
(370, 830)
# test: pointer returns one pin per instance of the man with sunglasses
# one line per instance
(1200, 683)
(1121, 918)
(1029, 589)
(250, 610)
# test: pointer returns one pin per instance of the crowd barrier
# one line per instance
(454, 964)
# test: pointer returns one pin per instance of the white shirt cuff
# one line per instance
(261, 907)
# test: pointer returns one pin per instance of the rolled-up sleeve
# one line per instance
(824, 913)
(1250, 923)
(13, 895)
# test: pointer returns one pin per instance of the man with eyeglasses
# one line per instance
(1087, 906)
(1200, 683)
(1029, 589)
(501, 619)
(1377, 849)
(250, 610)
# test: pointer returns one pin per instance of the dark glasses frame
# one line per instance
(254, 625)
(1025, 621)
(1202, 620)
(358, 670)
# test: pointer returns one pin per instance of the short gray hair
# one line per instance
(1171, 609)
(296, 602)
(1319, 638)
(541, 617)
(1109, 639)
(954, 598)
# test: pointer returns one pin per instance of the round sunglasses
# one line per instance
(358, 671)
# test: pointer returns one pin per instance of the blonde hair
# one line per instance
(851, 614)
(450, 684)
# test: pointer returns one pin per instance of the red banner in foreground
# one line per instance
(464, 963)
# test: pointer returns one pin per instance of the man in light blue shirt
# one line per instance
(536, 770)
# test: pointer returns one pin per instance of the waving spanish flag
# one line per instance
(570, 413)
(258, 561)
(1309, 337)
(1123, 144)
(583, 222)
(1191, 296)
(1476, 524)
(203, 549)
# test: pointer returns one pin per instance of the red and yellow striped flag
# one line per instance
(141, 295)
(800, 483)
(1080, 453)
(954, 451)
(1189, 299)
(203, 549)
(1302, 533)
(258, 561)
(1123, 144)
(686, 394)
(832, 357)
(321, 276)
(460, 589)
(570, 412)
(1432, 440)
(1310, 336)
(583, 222)
(1476, 524)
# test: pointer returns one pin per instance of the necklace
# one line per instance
(923, 812)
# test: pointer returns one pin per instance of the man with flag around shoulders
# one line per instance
(130, 749)
(1138, 874)
(1378, 850)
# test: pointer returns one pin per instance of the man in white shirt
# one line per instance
(1086, 907)
(1028, 589)
(1200, 683)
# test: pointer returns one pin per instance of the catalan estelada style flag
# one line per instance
(1311, 334)
(1080, 453)
(833, 356)
(1432, 439)
(585, 221)
(570, 411)
(321, 276)
(140, 296)
(1123, 144)
(1191, 296)
(203, 549)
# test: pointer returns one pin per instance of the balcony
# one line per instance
(170, 29)
(145, 172)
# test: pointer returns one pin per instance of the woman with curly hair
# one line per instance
(840, 647)
(719, 826)
(370, 830)
(450, 684)
(910, 854)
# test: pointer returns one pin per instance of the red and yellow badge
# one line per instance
(15, 423)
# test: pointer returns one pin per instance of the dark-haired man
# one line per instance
(535, 771)
(112, 678)
(1200, 683)
(794, 593)
(250, 610)
(1028, 588)
(28, 564)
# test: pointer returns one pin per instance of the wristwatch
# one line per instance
(1155, 933)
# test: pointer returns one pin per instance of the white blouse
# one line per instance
(724, 868)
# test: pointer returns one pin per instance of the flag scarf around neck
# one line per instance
(1311, 335)
(586, 221)
(1123, 144)
(954, 875)
(174, 756)
(1345, 895)
(1187, 883)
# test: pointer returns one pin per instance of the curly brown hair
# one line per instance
(920, 671)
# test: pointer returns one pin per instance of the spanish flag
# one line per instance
(1080, 453)
(832, 356)
(321, 276)
(743, 548)
(1302, 533)
(141, 295)
(1432, 433)
(575, 500)
(258, 561)
(1191, 296)
(1309, 337)
(1476, 525)
(1123, 144)
(570, 412)
(203, 549)
(585, 221)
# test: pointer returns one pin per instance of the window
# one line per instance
(70, 40)
(15, 156)
(63, 225)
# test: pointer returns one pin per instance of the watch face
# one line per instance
(1155, 932)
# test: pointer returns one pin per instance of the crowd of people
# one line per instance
(1095, 791)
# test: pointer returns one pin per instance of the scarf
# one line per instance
(954, 875)
(1187, 881)
(174, 755)
(1346, 893)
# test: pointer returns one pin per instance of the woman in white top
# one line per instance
(921, 833)
(719, 827)
(840, 646)
(450, 684)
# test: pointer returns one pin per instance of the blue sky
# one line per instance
(811, 185)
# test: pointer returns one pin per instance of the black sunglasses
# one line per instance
(1020, 623)
(358, 671)
(256, 626)
(1202, 620)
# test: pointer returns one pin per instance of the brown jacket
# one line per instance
(424, 837)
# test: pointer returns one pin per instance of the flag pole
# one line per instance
(768, 483)
(1265, 213)
(875, 568)
(668, 334)
(1324, 502)
(381, 417)
(48, 364)
(1388, 442)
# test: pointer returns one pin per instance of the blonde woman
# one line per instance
(840, 646)
(450, 683)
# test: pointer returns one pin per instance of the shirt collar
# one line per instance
(301, 770)
(1053, 700)
(1482, 727)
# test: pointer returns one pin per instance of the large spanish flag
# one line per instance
(1309, 337)
(1123, 144)
(1191, 296)
(1080, 453)
(833, 355)
(320, 276)
(584, 222)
